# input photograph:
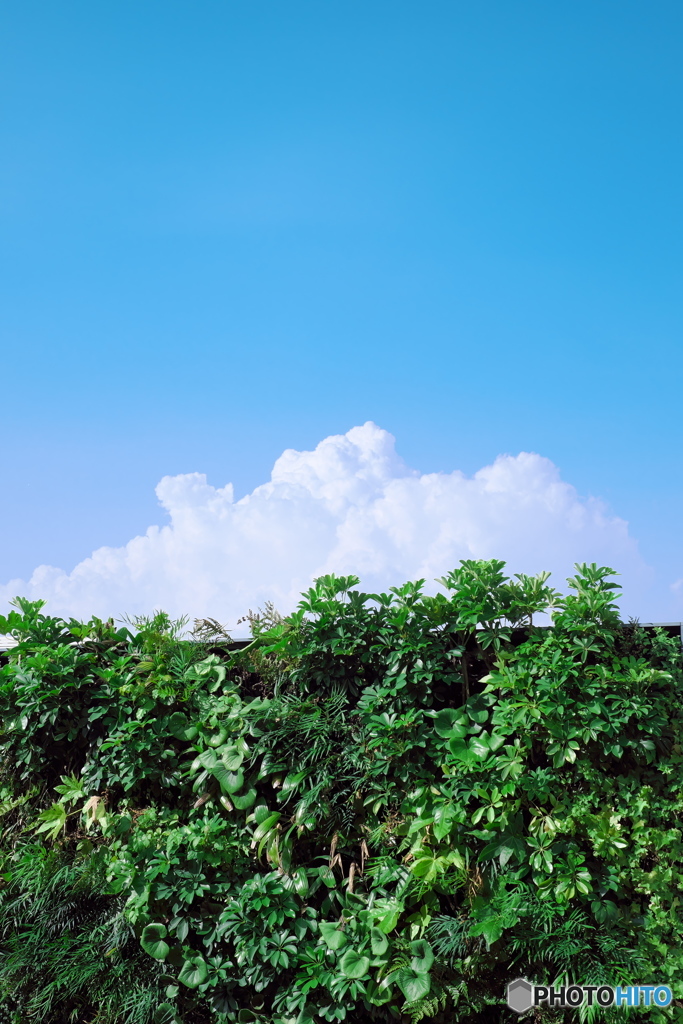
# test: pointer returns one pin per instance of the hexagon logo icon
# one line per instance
(520, 995)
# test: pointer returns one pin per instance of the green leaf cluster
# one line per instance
(383, 809)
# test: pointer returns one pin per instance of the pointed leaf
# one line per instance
(264, 828)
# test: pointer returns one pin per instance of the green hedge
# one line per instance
(385, 808)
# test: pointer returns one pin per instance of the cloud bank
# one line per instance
(350, 506)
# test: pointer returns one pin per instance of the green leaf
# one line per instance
(71, 788)
(478, 707)
(300, 882)
(152, 941)
(379, 943)
(165, 1014)
(491, 928)
(353, 965)
(264, 828)
(423, 957)
(53, 820)
(291, 782)
(450, 722)
(479, 745)
(232, 758)
(231, 782)
(208, 759)
(243, 801)
(333, 937)
(413, 984)
(180, 727)
(194, 972)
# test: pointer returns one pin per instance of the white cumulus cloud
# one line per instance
(350, 506)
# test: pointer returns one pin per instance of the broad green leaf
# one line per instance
(232, 758)
(224, 777)
(219, 738)
(353, 964)
(261, 812)
(332, 935)
(413, 984)
(379, 943)
(444, 818)
(208, 759)
(479, 745)
(194, 972)
(232, 781)
(291, 782)
(388, 921)
(461, 752)
(152, 941)
(243, 801)
(450, 722)
(478, 707)
(423, 957)
(180, 727)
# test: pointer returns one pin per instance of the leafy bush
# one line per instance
(383, 809)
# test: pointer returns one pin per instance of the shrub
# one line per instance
(384, 808)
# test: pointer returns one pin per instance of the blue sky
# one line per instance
(230, 229)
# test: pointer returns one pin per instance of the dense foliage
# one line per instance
(383, 809)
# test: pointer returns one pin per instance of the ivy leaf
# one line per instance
(152, 941)
(194, 972)
(353, 965)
